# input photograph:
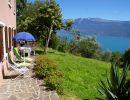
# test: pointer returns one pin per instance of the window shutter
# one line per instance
(14, 32)
(6, 38)
(1, 44)
(10, 38)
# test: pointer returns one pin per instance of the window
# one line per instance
(9, 3)
(10, 38)
(1, 44)
(6, 38)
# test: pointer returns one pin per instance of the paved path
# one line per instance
(25, 89)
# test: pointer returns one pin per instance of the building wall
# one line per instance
(8, 13)
(7, 31)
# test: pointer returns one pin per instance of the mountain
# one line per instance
(102, 27)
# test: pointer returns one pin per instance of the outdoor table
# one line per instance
(26, 50)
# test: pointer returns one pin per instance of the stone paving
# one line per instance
(25, 89)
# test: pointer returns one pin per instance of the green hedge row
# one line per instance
(47, 69)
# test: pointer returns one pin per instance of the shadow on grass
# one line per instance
(42, 52)
(51, 52)
(39, 52)
(61, 54)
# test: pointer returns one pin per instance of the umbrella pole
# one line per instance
(24, 56)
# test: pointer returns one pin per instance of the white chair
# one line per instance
(33, 52)
(20, 70)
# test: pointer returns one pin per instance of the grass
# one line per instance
(81, 75)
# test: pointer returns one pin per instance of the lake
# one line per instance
(109, 43)
(114, 43)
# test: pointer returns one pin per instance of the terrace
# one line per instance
(25, 88)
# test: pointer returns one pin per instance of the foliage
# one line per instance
(76, 34)
(26, 21)
(88, 46)
(68, 24)
(63, 45)
(117, 87)
(46, 69)
(50, 18)
(74, 47)
(40, 43)
(116, 58)
(106, 56)
(21, 4)
(42, 18)
(54, 42)
(98, 55)
(126, 57)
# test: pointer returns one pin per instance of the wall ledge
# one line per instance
(2, 24)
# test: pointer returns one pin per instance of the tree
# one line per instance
(126, 57)
(68, 24)
(48, 20)
(43, 18)
(25, 22)
(76, 34)
(88, 47)
(116, 58)
(20, 5)
(106, 56)
(50, 15)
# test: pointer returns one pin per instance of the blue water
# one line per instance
(114, 43)
(109, 43)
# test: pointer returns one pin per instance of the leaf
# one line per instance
(123, 75)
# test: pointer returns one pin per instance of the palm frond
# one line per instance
(117, 87)
(123, 75)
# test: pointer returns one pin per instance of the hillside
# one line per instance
(81, 75)
(102, 27)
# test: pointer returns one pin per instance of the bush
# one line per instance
(116, 58)
(74, 49)
(54, 42)
(64, 45)
(46, 69)
(98, 55)
(106, 56)
(88, 47)
(41, 43)
(126, 57)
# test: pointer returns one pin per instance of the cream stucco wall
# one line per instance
(8, 13)
(7, 19)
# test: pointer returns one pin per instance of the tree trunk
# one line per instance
(48, 39)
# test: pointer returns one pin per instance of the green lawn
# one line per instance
(81, 75)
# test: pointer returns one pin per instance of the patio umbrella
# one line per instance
(24, 36)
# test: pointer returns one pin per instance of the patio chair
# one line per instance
(20, 70)
(19, 58)
(12, 61)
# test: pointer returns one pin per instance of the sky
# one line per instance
(106, 9)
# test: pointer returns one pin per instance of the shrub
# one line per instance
(46, 69)
(116, 58)
(88, 46)
(74, 49)
(54, 42)
(106, 56)
(126, 57)
(41, 43)
(64, 45)
(98, 55)
(117, 86)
